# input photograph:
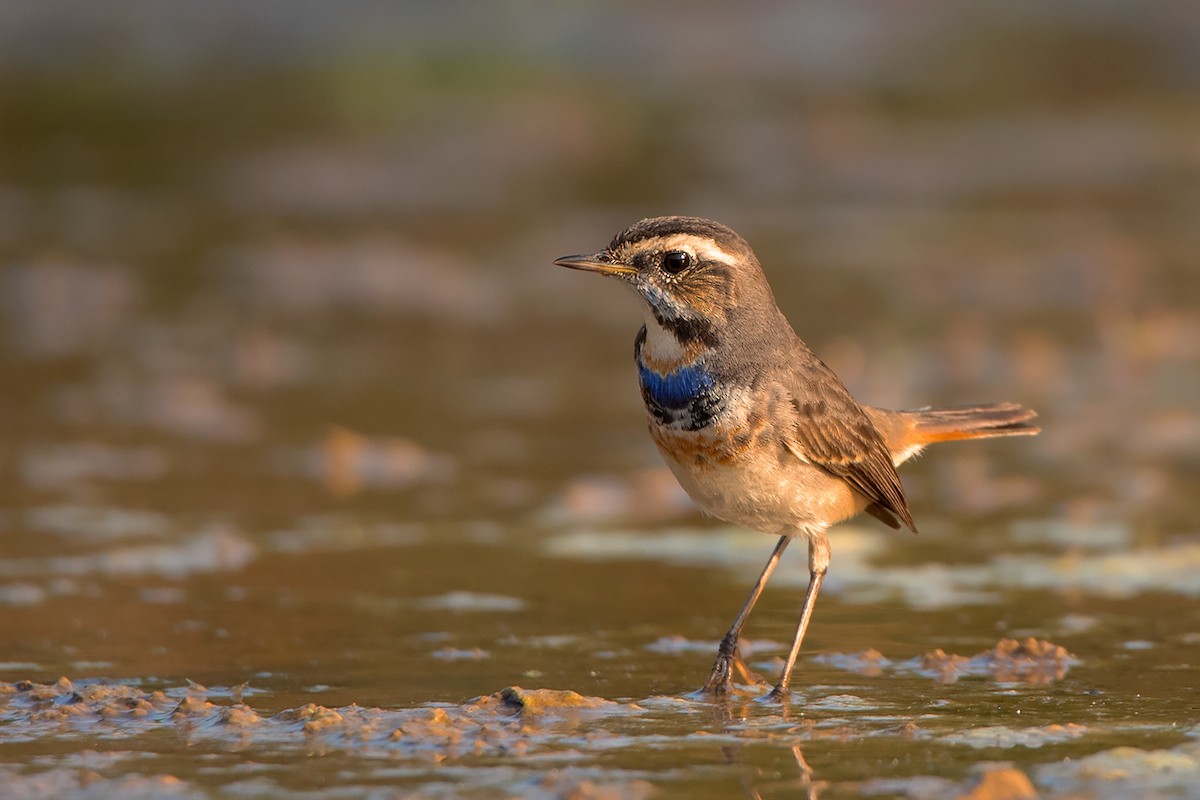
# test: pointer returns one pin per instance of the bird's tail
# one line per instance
(929, 425)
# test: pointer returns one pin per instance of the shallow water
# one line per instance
(319, 479)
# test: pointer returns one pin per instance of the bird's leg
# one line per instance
(818, 565)
(727, 652)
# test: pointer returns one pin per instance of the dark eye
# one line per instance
(676, 261)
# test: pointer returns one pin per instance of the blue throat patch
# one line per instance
(675, 390)
(687, 397)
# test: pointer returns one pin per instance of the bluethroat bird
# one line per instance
(756, 428)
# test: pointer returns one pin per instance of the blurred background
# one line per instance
(293, 395)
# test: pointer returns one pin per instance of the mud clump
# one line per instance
(85, 705)
(1010, 661)
(541, 702)
(1002, 782)
(513, 720)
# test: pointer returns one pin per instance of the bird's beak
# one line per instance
(595, 263)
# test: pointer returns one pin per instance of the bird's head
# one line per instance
(694, 274)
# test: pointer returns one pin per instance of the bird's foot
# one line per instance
(780, 694)
(719, 683)
(720, 679)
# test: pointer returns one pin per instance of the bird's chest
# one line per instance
(688, 399)
(679, 389)
(697, 419)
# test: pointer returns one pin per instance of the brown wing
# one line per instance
(833, 432)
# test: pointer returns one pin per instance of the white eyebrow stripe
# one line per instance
(702, 248)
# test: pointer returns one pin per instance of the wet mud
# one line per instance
(555, 741)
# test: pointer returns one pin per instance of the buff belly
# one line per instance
(744, 477)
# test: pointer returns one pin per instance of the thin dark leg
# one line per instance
(727, 652)
(818, 565)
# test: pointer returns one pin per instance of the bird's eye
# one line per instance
(676, 261)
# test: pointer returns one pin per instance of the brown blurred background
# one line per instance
(283, 350)
(294, 402)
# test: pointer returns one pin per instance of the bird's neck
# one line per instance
(665, 346)
(679, 389)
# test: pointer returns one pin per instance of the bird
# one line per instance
(755, 427)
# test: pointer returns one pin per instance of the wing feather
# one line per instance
(832, 431)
